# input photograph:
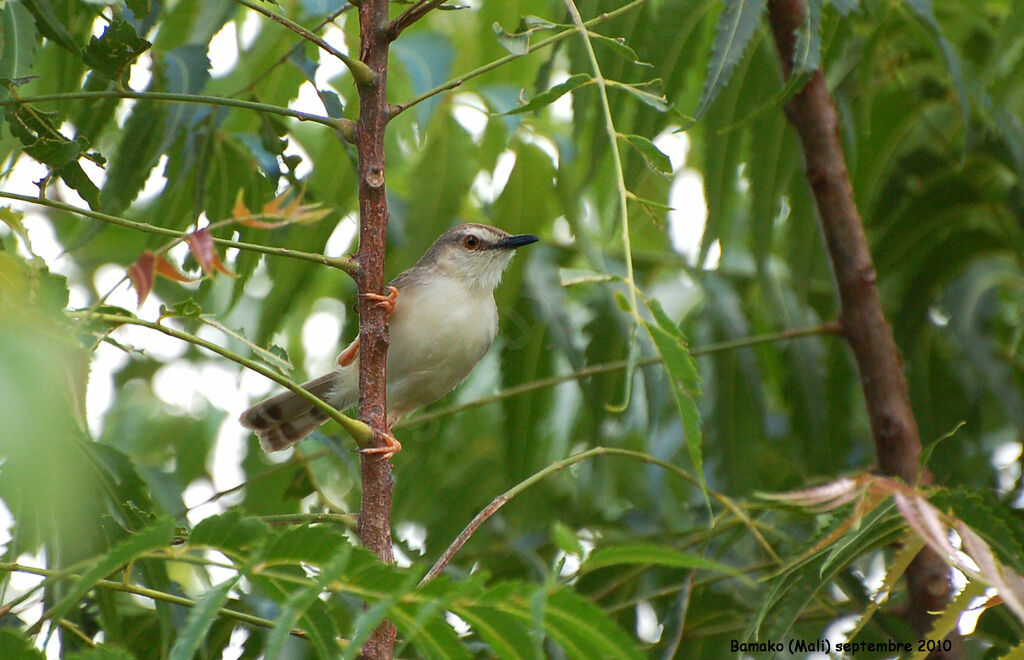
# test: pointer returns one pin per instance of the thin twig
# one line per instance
(411, 15)
(345, 264)
(180, 98)
(557, 466)
(554, 39)
(145, 592)
(362, 74)
(361, 433)
(829, 328)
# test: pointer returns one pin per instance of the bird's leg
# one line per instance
(388, 304)
(349, 354)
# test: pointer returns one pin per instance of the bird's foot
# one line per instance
(390, 447)
(387, 303)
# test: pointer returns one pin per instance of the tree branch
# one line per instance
(894, 428)
(375, 508)
(411, 15)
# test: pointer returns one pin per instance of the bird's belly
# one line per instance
(436, 340)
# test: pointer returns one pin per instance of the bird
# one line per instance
(442, 319)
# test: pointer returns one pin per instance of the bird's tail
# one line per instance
(284, 419)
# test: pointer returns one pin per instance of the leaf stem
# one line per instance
(145, 592)
(345, 264)
(554, 39)
(180, 98)
(557, 466)
(361, 73)
(359, 431)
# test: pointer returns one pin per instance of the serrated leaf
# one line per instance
(157, 536)
(200, 618)
(50, 25)
(807, 51)
(653, 156)
(363, 627)
(115, 50)
(232, 533)
(303, 544)
(553, 94)
(736, 26)
(187, 309)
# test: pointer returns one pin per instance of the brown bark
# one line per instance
(375, 509)
(894, 428)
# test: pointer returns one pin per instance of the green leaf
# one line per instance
(303, 598)
(17, 42)
(807, 52)
(1001, 526)
(50, 25)
(651, 555)
(315, 545)
(924, 12)
(518, 43)
(116, 50)
(14, 645)
(155, 537)
(504, 625)
(425, 627)
(566, 539)
(736, 26)
(232, 533)
(583, 630)
(618, 46)
(650, 93)
(678, 361)
(200, 618)
(653, 156)
(553, 94)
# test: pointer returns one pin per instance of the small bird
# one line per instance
(442, 319)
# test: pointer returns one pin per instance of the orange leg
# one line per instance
(391, 446)
(349, 354)
(386, 302)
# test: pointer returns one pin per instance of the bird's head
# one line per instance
(473, 253)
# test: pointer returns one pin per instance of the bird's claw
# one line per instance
(390, 447)
(385, 302)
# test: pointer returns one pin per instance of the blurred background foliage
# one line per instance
(931, 101)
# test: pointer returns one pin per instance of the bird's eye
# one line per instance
(471, 242)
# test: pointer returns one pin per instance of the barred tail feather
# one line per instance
(286, 418)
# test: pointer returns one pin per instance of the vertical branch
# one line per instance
(897, 443)
(375, 509)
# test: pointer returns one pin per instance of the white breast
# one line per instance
(438, 334)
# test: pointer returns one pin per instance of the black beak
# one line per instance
(512, 242)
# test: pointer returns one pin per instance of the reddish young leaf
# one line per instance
(141, 273)
(201, 244)
(166, 269)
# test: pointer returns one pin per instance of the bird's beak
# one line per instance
(512, 242)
